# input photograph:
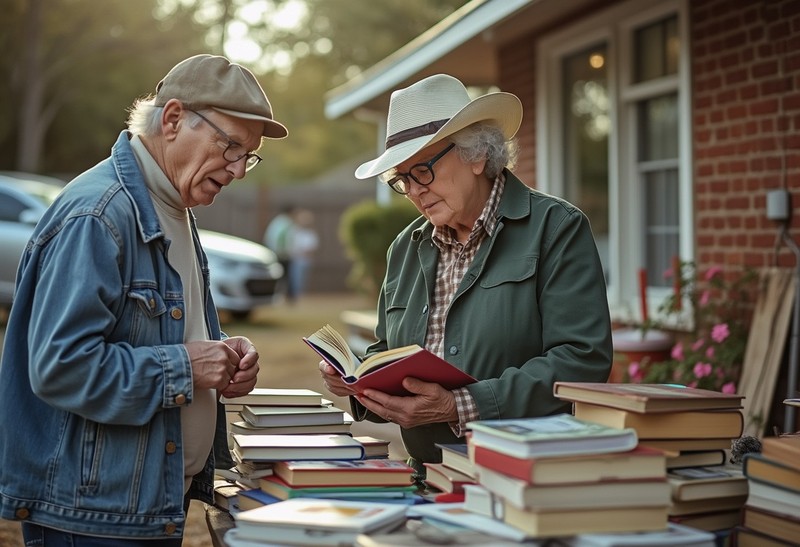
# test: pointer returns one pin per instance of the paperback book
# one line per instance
(277, 397)
(309, 521)
(275, 486)
(296, 447)
(345, 473)
(273, 416)
(559, 435)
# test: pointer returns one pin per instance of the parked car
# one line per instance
(244, 274)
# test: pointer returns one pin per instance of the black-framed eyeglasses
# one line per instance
(421, 173)
(233, 150)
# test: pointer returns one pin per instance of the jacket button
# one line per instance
(453, 350)
(180, 399)
(170, 528)
(171, 447)
(152, 303)
(176, 313)
(22, 513)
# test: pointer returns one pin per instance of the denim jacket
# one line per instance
(531, 310)
(94, 372)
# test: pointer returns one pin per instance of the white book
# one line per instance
(612, 493)
(455, 513)
(311, 521)
(675, 535)
(296, 447)
(266, 416)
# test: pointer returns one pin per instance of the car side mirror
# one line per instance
(30, 216)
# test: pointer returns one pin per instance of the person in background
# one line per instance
(276, 238)
(499, 279)
(302, 244)
(113, 359)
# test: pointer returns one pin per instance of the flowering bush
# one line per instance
(710, 355)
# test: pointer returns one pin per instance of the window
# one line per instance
(614, 139)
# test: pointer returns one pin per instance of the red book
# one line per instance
(639, 463)
(385, 371)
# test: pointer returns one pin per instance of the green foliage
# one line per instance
(366, 230)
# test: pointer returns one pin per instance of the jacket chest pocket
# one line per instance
(146, 309)
(509, 270)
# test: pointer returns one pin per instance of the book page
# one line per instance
(333, 343)
(384, 358)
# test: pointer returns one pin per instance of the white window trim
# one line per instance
(614, 27)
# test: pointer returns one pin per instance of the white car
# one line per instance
(244, 274)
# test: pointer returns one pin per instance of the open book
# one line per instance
(385, 371)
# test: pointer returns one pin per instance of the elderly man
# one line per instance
(113, 359)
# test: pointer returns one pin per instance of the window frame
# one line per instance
(615, 27)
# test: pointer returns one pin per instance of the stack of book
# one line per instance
(558, 475)
(771, 515)
(449, 477)
(694, 427)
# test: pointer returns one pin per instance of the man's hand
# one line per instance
(332, 380)
(213, 363)
(245, 376)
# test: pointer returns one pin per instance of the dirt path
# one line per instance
(285, 362)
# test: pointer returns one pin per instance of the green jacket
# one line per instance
(530, 311)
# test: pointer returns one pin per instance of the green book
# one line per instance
(276, 487)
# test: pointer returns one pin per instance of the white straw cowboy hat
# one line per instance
(432, 109)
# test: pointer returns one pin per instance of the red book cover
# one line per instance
(388, 378)
(639, 463)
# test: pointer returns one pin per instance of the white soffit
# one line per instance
(462, 25)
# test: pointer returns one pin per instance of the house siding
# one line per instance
(745, 71)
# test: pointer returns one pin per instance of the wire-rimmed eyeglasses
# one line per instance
(421, 173)
(233, 150)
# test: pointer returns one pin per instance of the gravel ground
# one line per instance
(286, 362)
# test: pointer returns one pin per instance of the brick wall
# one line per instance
(746, 116)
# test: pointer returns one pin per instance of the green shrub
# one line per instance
(366, 231)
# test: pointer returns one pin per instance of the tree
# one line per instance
(74, 67)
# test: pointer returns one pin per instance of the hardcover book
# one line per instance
(682, 445)
(704, 424)
(639, 463)
(710, 521)
(743, 537)
(269, 416)
(559, 435)
(456, 456)
(576, 495)
(309, 521)
(344, 473)
(385, 371)
(674, 535)
(446, 479)
(275, 486)
(276, 396)
(695, 458)
(567, 522)
(243, 427)
(296, 447)
(785, 449)
(777, 525)
(763, 469)
(645, 398)
(772, 497)
(694, 483)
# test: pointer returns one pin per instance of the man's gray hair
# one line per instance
(144, 118)
(484, 140)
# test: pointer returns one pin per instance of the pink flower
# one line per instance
(712, 272)
(677, 352)
(730, 387)
(699, 344)
(704, 298)
(701, 370)
(710, 352)
(720, 332)
(635, 372)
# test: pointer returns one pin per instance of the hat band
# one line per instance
(413, 132)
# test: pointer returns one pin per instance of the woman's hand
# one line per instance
(429, 403)
(332, 380)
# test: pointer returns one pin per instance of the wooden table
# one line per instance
(219, 521)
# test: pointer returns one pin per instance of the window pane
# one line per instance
(658, 120)
(586, 125)
(661, 223)
(656, 49)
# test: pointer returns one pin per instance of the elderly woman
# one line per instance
(500, 280)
